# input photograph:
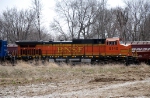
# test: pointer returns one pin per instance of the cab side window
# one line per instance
(112, 43)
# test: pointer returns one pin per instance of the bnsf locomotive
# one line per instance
(82, 50)
(92, 50)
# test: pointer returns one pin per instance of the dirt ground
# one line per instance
(85, 82)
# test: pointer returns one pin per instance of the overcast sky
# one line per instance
(48, 6)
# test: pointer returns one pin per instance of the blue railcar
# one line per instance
(3, 49)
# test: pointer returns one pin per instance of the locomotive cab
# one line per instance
(116, 48)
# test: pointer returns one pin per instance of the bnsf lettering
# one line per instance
(70, 49)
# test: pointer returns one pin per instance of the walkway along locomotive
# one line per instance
(93, 50)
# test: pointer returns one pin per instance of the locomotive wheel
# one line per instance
(94, 63)
(126, 61)
(136, 62)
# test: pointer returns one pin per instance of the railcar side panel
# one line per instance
(3, 49)
(141, 50)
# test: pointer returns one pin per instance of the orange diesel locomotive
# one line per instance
(95, 50)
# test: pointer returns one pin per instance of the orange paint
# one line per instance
(112, 46)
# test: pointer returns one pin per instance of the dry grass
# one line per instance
(34, 72)
(95, 80)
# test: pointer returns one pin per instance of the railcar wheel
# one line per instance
(94, 63)
(136, 62)
(148, 62)
(67, 61)
(13, 60)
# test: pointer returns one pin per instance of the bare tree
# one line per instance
(78, 17)
(137, 11)
(110, 24)
(57, 27)
(121, 22)
(1, 30)
(66, 23)
(37, 6)
(105, 21)
(144, 29)
(92, 19)
(16, 24)
(86, 13)
(11, 24)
